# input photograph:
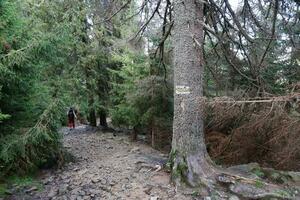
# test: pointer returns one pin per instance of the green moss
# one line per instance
(19, 183)
(258, 172)
(170, 163)
(29, 182)
(168, 166)
(179, 171)
(3, 190)
(283, 193)
(195, 194)
(175, 174)
(172, 156)
(259, 184)
(182, 167)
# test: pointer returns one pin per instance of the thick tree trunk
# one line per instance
(189, 158)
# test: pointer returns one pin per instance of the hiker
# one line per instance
(71, 118)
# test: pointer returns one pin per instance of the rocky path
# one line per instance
(106, 167)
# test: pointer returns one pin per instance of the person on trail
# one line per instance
(71, 118)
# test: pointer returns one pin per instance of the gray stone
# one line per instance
(233, 198)
(135, 150)
(86, 197)
(63, 189)
(52, 193)
(63, 197)
(96, 179)
(32, 189)
(75, 191)
(112, 183)
(94, 191)
(82, 193)
(258, 192)
(73, 197)
(295, 176)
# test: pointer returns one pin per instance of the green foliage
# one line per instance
(235, 67)
(50, 50)
(3, 117)
(3, 190)
(259, 184)
(258, 172)
(135, 67)
(139, 98)
(36, 147)
(46, 54)
(19, 182)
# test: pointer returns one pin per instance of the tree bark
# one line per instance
(189, 159)
(134, 134)
(103, 121)
(92, 113)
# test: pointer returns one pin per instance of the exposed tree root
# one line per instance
(206, 178)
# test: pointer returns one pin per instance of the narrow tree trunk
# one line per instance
(189, 158)
(153, 141)
(92, 113)
(103, 121)
(87, 70)
(134, 134)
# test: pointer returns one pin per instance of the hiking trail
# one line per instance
(105, 167)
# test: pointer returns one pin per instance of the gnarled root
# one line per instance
(197, 171)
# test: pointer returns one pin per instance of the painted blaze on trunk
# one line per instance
(189, 155)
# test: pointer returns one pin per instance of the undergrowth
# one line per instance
(40, 146)
(262, 132)
(19, 183)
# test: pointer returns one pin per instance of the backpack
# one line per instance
(71, 114)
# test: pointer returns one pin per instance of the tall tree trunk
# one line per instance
(91, 101)
(87, 71)
(189, 158)
(134, 134)
(103, 121)
(92, 113)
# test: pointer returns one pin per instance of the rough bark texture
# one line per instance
(189, 158)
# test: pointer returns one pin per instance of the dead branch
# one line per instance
(273, 31)
(236, 21)
(144, 26)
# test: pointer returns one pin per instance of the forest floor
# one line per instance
(105, 167)
(109, 167)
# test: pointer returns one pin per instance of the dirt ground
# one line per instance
(106, 167)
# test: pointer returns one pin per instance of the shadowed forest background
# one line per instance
(113, 59)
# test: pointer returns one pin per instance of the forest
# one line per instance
(212, 84)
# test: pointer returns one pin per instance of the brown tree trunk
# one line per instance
(189, 158)
(134, 134)
(103, 121)
(92, 113)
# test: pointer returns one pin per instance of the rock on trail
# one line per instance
(106, 167)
